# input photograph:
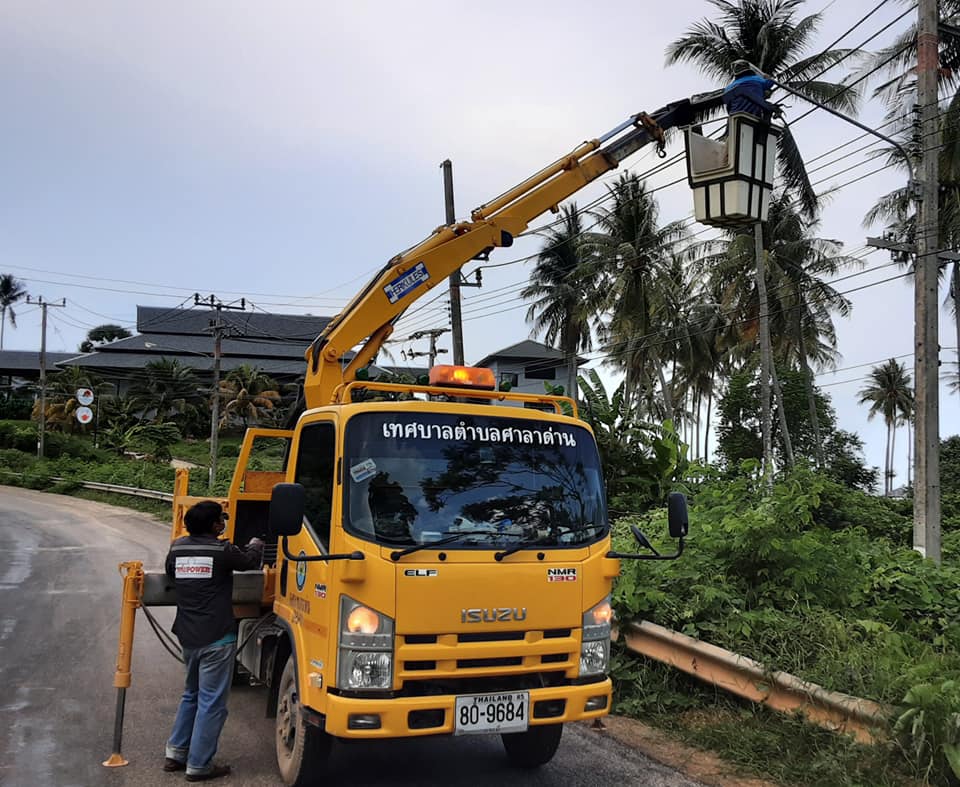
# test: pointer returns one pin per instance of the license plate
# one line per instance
(486, 713)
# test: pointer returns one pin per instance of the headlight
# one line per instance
(595, 647)
(366, 647)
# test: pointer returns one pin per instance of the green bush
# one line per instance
(817, 580)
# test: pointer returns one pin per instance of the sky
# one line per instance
(283, 152)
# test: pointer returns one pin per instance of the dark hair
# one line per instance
(201, 517)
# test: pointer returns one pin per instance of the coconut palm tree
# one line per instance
(899, 93)
(888, 392)
(168, 391)
(12, 290)
(768, 34)
(249, 394)
(633, 255)
(564, 294)
(803, 302)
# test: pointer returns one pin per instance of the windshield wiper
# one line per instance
(397, 554)
(541, 540)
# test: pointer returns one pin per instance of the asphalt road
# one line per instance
(59, 610)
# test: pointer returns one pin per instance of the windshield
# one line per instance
(417, 478)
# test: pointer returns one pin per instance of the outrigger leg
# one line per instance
(132, 573)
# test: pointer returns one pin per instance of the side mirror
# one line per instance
(677, 515)
(286, 509)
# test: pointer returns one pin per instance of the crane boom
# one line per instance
(371, 314)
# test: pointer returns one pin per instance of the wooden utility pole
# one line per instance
(219, 328)
(43, 367)
(456, 318)
(926, 500)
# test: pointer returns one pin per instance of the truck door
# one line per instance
(306, 585)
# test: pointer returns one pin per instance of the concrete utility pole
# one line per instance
(456, 318)
(433, 334)
(926, 499)
(43, 367)
(765, 354)
(219, 329)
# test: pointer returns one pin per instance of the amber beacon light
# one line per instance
(462, 377)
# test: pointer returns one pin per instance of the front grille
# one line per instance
(419, 666)
(462, 655)
(491, 636)
(420, 639)
(509, 661)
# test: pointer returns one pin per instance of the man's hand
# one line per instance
(255, 543)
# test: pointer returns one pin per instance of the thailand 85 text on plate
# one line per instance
(484, 713)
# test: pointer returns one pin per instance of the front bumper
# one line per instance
(404, 717)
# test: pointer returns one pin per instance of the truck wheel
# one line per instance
(533, 748)
(302, 749)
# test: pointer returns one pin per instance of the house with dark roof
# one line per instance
(273, 343)
(528, 364)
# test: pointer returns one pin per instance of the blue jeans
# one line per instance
(203, 707)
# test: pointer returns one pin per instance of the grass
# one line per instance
(198, 451)
(780, 748)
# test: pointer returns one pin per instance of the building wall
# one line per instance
(516, 372)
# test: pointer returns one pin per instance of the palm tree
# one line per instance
(563, 309)
(633, 255)
(803, 301)
(11, 291)
(889, 393)
(899, 92)
(168, 390)
(249, 394)
(768, 34)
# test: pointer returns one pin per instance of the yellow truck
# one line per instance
(438, 554)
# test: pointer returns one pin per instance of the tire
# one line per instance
(532, 748)
(302, 749)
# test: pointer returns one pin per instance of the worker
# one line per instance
(748, 92)
(201, 567)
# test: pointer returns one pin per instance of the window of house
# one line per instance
(540, 372)
(510, 377)
(316, 463)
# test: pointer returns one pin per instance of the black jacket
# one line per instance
(201, 568)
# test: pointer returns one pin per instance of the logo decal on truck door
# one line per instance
(561, 575)
(301, 571)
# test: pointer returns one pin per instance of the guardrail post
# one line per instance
(132, 573)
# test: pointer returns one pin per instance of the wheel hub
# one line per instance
(287, 718)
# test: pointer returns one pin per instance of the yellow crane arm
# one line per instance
(370, 316)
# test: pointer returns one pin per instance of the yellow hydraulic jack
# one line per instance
(132, 573)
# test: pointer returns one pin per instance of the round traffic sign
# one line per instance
(84, 415)
(84, 396)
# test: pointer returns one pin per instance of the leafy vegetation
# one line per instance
(815, 579)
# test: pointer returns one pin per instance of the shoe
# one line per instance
(170, 765)
(214, 773)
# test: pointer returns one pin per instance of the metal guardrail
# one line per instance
(133, 491)
(867, 721)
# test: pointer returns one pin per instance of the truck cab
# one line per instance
(440, 567)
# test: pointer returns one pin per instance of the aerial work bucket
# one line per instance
(732, 178)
